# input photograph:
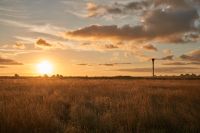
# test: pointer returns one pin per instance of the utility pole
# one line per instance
(153, 72)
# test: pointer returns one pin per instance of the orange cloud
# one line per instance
(42, 42)
(19, 45)
(150, 47)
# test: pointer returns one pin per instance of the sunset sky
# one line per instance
(100, 37)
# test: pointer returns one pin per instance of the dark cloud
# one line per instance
(4, 61)
(148, 58)
(197, 1)
(95, 10)
(191, 56)
(126, 63)
(177, 63)
(86, 43)
(83, 64)
(136, 5)
(174, 63)
(164, 20)
(150, 47)
(100, 45)
(3, 67)
(114, 10)
(118, 8)
(173, 3)
(42, 42)
(115, 64)
(168, 26)
(169, 57)
(110, 32)
(194, 36)
(110, 46)
(194, 63)
(161, 69)
(109, 64)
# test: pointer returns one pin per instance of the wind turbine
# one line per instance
(153, 71)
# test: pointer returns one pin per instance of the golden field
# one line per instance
(99, 106)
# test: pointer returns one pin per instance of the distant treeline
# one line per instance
(58, 76)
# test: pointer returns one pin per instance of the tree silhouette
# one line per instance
(16, 76)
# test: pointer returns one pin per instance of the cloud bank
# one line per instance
(4, 61)
(172, 25)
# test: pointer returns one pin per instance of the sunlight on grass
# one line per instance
(78, 105)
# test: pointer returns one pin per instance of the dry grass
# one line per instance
(94, 106)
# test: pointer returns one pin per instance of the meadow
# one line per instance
(99, 106)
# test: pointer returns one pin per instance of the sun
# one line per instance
(45, 67)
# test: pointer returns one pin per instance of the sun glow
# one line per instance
(45, 67)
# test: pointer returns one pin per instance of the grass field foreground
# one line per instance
(99, 106)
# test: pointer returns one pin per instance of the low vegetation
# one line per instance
(99, 106)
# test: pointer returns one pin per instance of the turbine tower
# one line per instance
(153, 72)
